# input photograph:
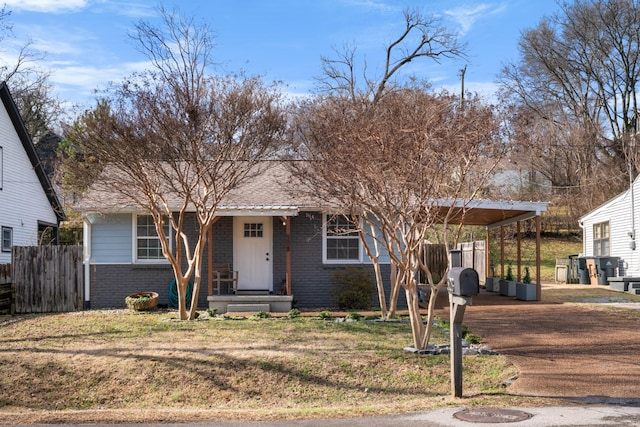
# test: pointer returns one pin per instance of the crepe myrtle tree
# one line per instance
(401, 169)
(175, 140)
(396, 160)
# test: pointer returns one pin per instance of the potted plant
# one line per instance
(526, 290)
(508, 284)
(490, 283)
(142, 301)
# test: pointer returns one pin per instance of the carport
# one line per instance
(495, 215)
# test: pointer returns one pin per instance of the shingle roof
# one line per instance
(29, 148)
(275, 191)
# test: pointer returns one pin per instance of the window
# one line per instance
(252, 230)
(341, 240)
(601, 239)
(7, 239)
(148, 247)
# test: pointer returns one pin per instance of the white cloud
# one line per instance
(466, 16)
(46, 6)
(376, 5)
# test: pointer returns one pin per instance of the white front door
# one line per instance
(253, 252)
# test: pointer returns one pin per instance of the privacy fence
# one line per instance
(46, 278)
(473, 256)
(7, 299)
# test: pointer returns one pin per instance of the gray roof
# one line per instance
(275, 191)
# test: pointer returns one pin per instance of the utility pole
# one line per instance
(462, 73)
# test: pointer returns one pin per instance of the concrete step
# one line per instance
(634, 288)
(248, 308)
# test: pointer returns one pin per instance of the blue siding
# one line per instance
(384, 255)
(111, 239)
(310, 278)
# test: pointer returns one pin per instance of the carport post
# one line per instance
(538, 284)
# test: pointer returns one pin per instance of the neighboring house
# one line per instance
(30, 211)
(276, 238)
(609, 230)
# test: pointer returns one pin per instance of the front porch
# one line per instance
(250, 303)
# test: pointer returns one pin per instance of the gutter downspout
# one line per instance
(86, 241)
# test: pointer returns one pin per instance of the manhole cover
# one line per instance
(492, 415)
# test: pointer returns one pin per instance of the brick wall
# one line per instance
(310, 278)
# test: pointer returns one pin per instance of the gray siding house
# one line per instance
(258, 224)
(276, 238)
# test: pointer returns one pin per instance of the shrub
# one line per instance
(293, 313)
(326, 314)
(260, 315)
(353, 288)
(212, 312)
(527, 276)
(354, 315)
(509, 275)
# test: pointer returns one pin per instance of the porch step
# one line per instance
(248, 308)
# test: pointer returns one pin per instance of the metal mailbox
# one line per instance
(463, 282)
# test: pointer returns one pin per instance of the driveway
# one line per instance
(585, 351)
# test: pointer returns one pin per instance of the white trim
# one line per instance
(2, 246)
(86, 241)
(134, 248)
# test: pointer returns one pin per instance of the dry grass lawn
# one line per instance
(117, 366)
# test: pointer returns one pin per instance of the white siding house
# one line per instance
(609, 230)
(28, 203)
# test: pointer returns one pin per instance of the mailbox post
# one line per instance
(463, 284)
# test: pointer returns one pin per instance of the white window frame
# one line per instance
(4, 247)
(325, 237)
(597, 243)
(161, 259)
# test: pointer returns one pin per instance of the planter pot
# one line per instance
(507, 288)
(490, 284)
(526, 291)
(142, 301)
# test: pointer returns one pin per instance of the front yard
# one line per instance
(123, 366)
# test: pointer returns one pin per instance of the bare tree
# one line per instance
(401, 168)
(30, 85)
(579, 70)
(395, 160)
(423, 36)
(175, 140)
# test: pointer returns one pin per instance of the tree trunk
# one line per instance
(430, 314)
(413, 303)
(380, 286)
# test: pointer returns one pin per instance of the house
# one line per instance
(30, 211)
(610, 231)
(275, 237)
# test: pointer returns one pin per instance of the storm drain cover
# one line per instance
(492, 415)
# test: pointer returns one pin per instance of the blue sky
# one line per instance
(86, 41)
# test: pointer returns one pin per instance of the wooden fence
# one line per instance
(47, 278)
(473, 256)
(7, 300)
(435, 257)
